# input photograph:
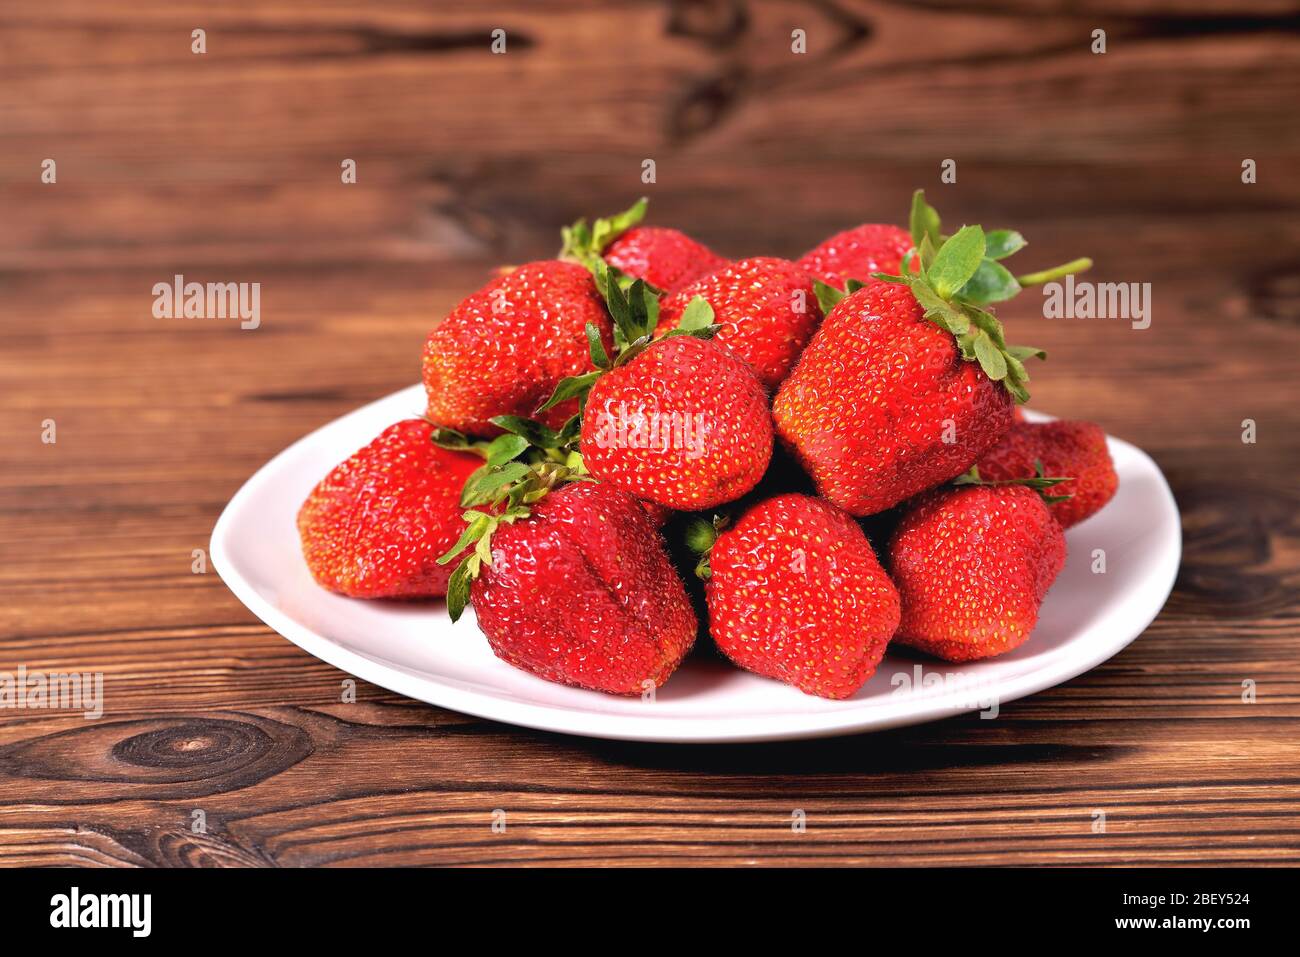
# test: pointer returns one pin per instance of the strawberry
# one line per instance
(972, 565)
(857, 253)
(679, 421)
(766, 310)
(908, 381)
(882, 405)
(684, 424)
(504, 349)
(573, 585)
(667, 259)
(374, 527)
(1062, 447)
(795, 593)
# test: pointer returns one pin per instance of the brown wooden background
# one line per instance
(225, 167)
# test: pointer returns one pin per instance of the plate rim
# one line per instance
(561, 719)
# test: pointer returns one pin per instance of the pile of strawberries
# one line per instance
(827, 450)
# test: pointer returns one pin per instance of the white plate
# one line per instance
(414, 649)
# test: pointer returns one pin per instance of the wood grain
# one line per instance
(226, 167)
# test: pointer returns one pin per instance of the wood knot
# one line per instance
(171, 758)
(193, 744)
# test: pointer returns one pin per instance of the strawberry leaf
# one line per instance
(568, 388)
(483, 549)
(708, 332)
(478, 525)
(988, 322)
(828, 297)
(585, 244)
(956, 261)
(923, 221)
(620, 310)
(506, 492)
(596, 348)
(458, 587)
(531, 430)
(648, 311)
(635, 310)
(927, 252)
(634, 349)
(1038, 481)
(1001, 243)
(990, 357)
(446, 438)
(697, 315)
(992, 282)
(1016, 370)
(479, 488)
(605, 231)
(1026, 352)
(938, 309)
(569, 432)
(504, 448)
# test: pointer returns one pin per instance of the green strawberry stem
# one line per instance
(1082, 264)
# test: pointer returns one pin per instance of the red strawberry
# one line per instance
(580, 591)
(767, 310)
(795, 593)
(1074, 449)
(684, 423)
(504, 349)
(857, 253)
(972, 565)
(908, 382)
(374, 527)
(882, 405)
(667, 259)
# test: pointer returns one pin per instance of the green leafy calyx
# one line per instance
(587, 243)
(1039, 482)
(634, 308)
(956, 277)
(828, 297)
(701, 534)
(494, 496)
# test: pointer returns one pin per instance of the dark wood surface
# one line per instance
(225, 167)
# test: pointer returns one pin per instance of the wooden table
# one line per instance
(225, 166)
